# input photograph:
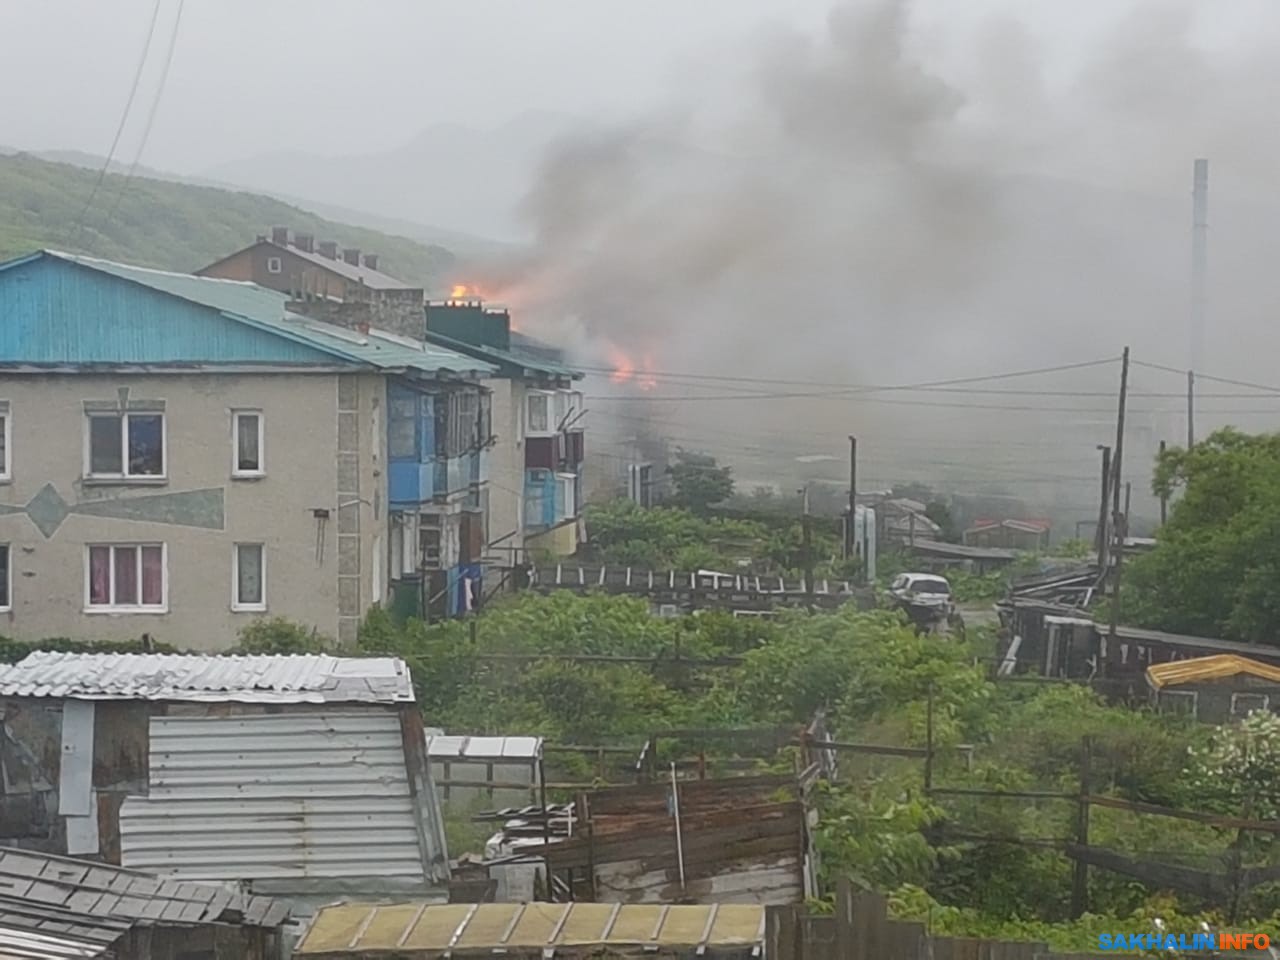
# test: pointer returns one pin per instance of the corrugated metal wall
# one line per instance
(57, 312)
(294, 795)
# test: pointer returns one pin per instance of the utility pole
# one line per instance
(807, 539)
(1191, 409)
(1164, 500)
(1080, 871)
(849, 527)
(1101, 540)
(1117, 466)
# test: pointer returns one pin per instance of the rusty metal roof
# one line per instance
(1219, 667)
(244, 679)
(430, 930)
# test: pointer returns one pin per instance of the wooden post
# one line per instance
(1080, 870)
(807, 540)
(1118, 471)
(928, 743)
(845, 946)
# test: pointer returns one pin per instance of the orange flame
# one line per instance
(459, 291)
(623, 367)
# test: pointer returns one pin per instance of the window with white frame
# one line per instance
(5, 444)
(538, 413)
(126, 446)
(128, 577)
(567, 495)
(249, 577)
(1243, 704)
(247, 435)
(274, 265)
(6, 578)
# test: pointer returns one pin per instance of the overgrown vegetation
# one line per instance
(173, 226)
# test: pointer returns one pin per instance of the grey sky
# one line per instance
(343, 76)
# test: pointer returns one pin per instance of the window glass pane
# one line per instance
(4, 452)
(99, 575)
(126, 576)
(248, 456)
(104, 445)
(152, 576)
(146, 445)
(538, 413)
(4, 575)
(249, 573)
(400, 439)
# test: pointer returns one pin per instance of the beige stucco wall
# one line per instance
(506, 467)
(302, 583)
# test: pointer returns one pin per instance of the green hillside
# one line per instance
(172, 226)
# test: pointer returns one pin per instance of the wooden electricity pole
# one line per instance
(807, 540)
(1164, 500)
(1191, 409)
(850, 527)
(1102, 539)
(1080, 870)
(1117, 467)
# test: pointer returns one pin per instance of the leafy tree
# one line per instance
(700, 482)
(1216, 565)
(940, 513)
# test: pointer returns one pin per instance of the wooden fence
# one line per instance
(860, 929)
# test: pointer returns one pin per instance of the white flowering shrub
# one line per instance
(1239, 771)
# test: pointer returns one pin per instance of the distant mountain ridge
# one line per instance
(164, 223)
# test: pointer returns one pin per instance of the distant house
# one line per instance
(340, 285)
(302, 777)
(180, 455)
(1030, 535)
(1215, 689)
(535, 463)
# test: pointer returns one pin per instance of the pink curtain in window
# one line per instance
(126, 576)
(152, 577)
(99, 575)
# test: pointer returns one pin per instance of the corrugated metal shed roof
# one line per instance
(429, 930)
(56, 907)
(962, 551)
(245, 679)
(267, 310)
(1219, 667)
(319, 795)
(441, 747)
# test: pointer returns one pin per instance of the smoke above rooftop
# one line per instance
(879, 204)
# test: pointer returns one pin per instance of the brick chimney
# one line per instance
(328, 248)
(280, 236)
(352, 256)
(371, 261)
(304, 242)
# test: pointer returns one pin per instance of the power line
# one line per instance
(151, 115)
(856, 389)
(128, 106)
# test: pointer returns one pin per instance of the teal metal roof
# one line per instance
(513, 362)
(57, 319)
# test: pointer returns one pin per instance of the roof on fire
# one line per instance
(244, 679)
(67, 310)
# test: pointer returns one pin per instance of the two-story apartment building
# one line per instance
(325, 281)
(535, 467)
(180, 455)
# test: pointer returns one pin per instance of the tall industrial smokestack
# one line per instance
(1199, 260)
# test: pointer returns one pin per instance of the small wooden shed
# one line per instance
(1215, 689)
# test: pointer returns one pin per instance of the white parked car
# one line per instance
(923, 590)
